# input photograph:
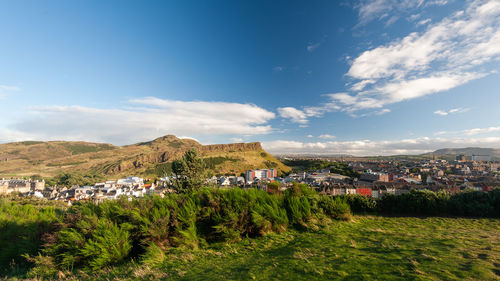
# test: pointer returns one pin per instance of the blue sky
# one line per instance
(371, 77)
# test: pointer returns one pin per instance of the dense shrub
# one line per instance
(335, 207)
(475, 204)
(420, 202)
(360, 203)
(22, 227)
(92, 236)
(428, 203)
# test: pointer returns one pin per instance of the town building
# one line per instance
(252, 175)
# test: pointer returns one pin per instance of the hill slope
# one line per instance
(148, 159)
(468, 151)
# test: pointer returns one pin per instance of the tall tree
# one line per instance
(189, 171)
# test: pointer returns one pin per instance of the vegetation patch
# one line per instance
(212, 162)
(65, 164)
(77, 148)
(298, 165)
(429, 203)
(31, 142)
(160, 169)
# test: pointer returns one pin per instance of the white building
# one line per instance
(260, 174)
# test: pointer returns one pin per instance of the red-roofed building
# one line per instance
(364, 191)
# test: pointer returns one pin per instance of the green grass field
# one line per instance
(367, 248)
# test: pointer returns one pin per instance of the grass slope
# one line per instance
(369, 248)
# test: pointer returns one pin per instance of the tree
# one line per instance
(189, 171)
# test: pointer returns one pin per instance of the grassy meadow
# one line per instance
(366, 248)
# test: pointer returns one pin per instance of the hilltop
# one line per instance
(147, 159)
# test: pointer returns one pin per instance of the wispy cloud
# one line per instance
(295, 115)
(311, 47)
(477, 131)
(389, 11)
(326, 136)
(143, 119)
(423, 22)
(236, 139)
(369, 147)
(449, 53)
(492, 130)
(4, 89)
(451, 111)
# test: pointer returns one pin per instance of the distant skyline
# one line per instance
(371, 77)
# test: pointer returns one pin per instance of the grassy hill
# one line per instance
(469, 151)
(148, 159)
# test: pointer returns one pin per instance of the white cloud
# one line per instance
(279, 68)
(326, 136)
(295, 115)
(144, 119)
(451, 111)
(447, 54)
(301, 116)
(389, 11)
(424, 22)
(311, 47)
(368, 147)
(414, 17)
(310, 136)
(4, 89)
(476, 131)
(236, 139)
(383, 111)
(441, 112)
(362, 84)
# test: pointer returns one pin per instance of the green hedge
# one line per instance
(429, 203)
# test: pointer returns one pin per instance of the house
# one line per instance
(83, 192)
(224, 181)
(367, 192)
(349, 190)
(15, 185)
(4, 186)
(260, 174)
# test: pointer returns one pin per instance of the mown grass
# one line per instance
(367, 248)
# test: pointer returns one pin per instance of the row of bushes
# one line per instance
(92, 236)
(429, 203)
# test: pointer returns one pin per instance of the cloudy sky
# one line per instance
(370, 77)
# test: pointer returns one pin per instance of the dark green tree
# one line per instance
(189, 171)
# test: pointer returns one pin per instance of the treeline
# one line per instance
(89, 236)
(429, 203)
